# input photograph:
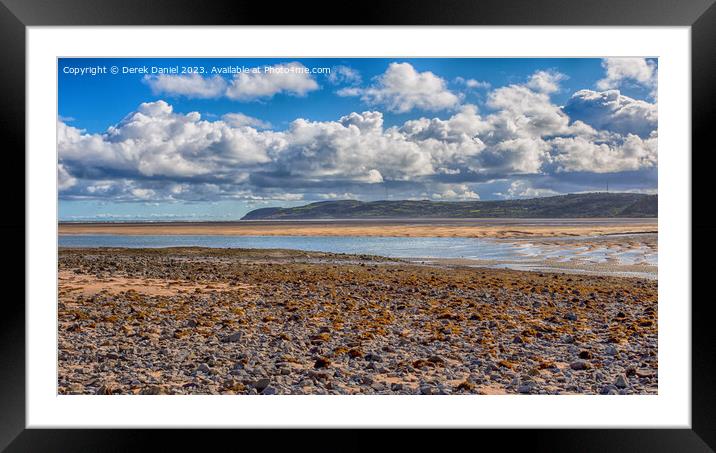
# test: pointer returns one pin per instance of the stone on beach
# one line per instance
(208, 321)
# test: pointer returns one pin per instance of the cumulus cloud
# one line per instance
(579, 154)
(620, 70)
(517, 156)
(453, 192)
(290, 78)
(156, 153)
(259, 83)
(472, 83)
(239, 119)
(342, 74)
(401, 88)
(189, 85)
(612, 111)
(523, 189)
(337, 196)
(64, 179)
(524, 113)
(154, 141)
(545, 81)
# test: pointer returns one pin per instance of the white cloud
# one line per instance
(523, 189)
(337, 196)
(372, 177)
(143, 194)
(579, 154)
(64, 179)
(290, 78)
(524, 113)
(260, 82)
(545, 81)
(239, 120)
(401, 89)
(344, 75)
(155, 141)
(472, 83)
(366, 121)
(452, 192)
(155, 153)
(619, 70)
(517, 156)
(612, 111)
(191, 85)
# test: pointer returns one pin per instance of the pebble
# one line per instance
(275, 323)
(580, 365)
(261, 384)
(621, 381)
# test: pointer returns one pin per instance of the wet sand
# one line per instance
(474, 228)
(220, 321)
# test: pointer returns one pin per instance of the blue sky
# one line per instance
(213, 144)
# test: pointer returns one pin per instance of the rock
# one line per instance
(621, 381)
(396, 386)
(518, 340)
(570, 316)
(354, 353)
(611, 350)
(609, 390)
(76, 388)
(107, 389)
(580, 365)
(233, 338)
(269, 391)
(525, 388)
(322, 362)
(153, 390)
(645, 373)
(204, 368)
(372, 357)
(261, 384)
(585, 355)
(426, 390)
(534, 372)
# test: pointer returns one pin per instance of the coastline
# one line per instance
(467, 228)
(231, 321)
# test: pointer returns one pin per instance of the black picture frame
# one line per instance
(700, 15)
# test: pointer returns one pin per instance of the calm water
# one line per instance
(394, 247)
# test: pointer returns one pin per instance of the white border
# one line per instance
(671, 408)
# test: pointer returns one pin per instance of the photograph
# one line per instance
(357, 226)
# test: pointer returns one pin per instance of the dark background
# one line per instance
(15, 15)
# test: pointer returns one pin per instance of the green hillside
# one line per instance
(563, 206)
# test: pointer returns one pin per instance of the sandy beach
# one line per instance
(218, 321)
(478, 228)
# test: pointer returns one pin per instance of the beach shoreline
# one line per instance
(240, 321)
(472, 228)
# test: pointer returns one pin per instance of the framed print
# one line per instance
(423, 217)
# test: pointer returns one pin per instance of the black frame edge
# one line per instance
(12, 322)
(15, 15)
(703, 108)
(369, 12)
